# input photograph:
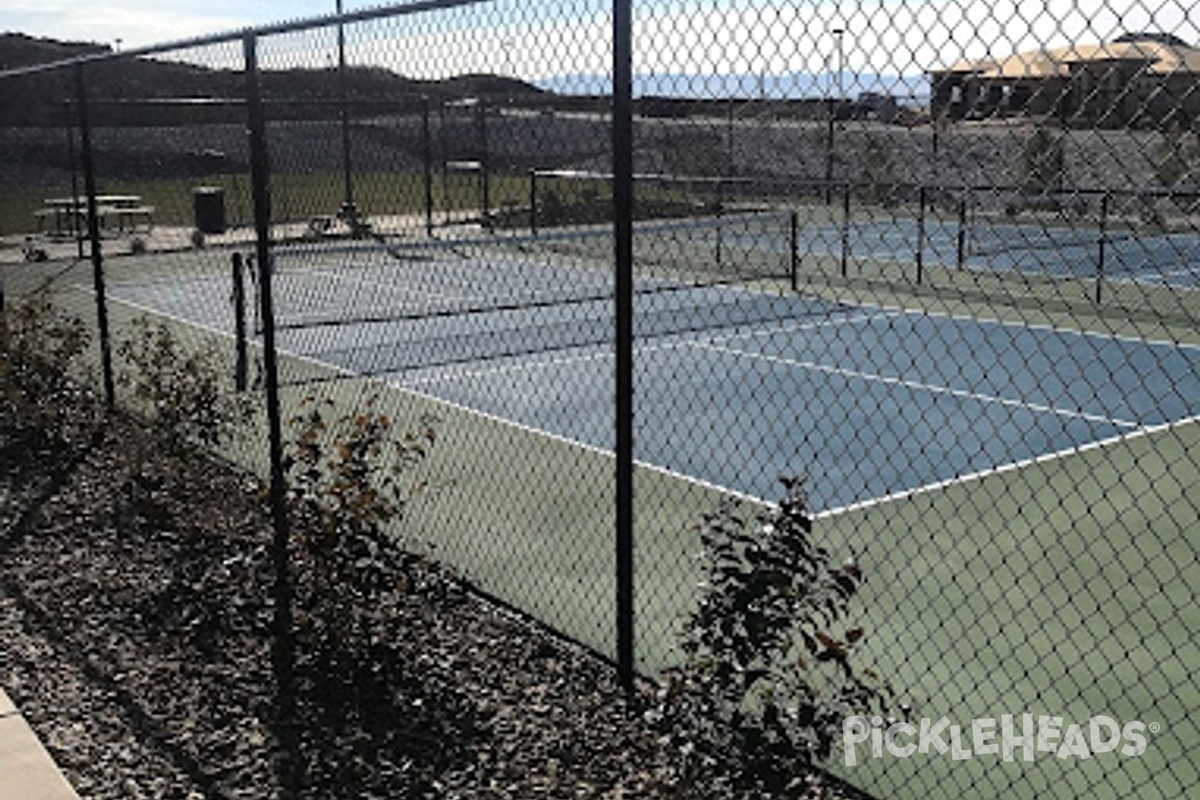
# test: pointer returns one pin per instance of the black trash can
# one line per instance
(208, 203)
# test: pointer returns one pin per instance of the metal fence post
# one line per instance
(794, 249)
(961, 239)
(533, 229)
(239, 320)
(93, 225)
(1102, 246)
(845, 230)
(485, 184)
(920, 234)
(69, 128)
(349, 210)
(622, 140)
(427, 154)
(283, 656)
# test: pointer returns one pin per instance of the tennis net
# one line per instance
(421, 342)
(996, 238)
(319, 285)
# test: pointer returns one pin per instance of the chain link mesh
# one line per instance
(938, 258)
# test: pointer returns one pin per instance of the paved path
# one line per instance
(26, 770)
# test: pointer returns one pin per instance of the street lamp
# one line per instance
(838, 33)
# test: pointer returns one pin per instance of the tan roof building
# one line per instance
(1137, 79)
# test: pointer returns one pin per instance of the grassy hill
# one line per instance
(38, 99)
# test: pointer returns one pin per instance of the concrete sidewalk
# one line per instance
(26, 770)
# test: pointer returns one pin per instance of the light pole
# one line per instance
(348, 212)
(506, 46)
(838, 33)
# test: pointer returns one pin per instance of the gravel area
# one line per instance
(135, 629)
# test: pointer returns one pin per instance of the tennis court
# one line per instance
(1054, 249)
(867, 401)
(742, 376)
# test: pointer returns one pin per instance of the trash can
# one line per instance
(208, 202)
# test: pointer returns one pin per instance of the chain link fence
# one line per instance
(940, 260)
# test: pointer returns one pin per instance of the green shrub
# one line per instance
(1043, 165)
(346, 482)
(180, 390)
(39, 349)
(1177, 157)
(769, 673)
(877, 174)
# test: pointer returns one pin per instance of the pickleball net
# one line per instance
(378, 308)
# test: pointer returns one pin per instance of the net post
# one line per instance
(533, 229)
(845, 229)
(961, 240)
(1102, 244)
(920, 234)
(283, 646)
(93, 227)
(794, 249)
(622, 142)
(720, 223)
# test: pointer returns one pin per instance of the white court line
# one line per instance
(933, 388)
(689, 479)
(1158, 278)
(382, 382)
(1118, 337)
(1043, 458)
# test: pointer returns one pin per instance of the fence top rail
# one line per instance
(295, 26)
(398, 101)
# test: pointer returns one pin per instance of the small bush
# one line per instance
(346, 484)
(180, 390)
(877, 171)
(769, 673)
(1043, 167)
(39, 348)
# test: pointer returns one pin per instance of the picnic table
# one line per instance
(66, 215)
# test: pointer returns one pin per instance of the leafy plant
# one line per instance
(877, 171)
(1177, 157)
(180, 389)
(39, 346)
(346, 484)
(770, 670)
(1043, 165)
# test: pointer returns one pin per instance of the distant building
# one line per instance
(1140, 79)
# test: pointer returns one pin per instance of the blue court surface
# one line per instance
(867, 403)
(1149, 258)
(734, 388)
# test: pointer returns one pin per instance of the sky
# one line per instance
(537, 39)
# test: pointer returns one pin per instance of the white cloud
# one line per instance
(105, 23)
